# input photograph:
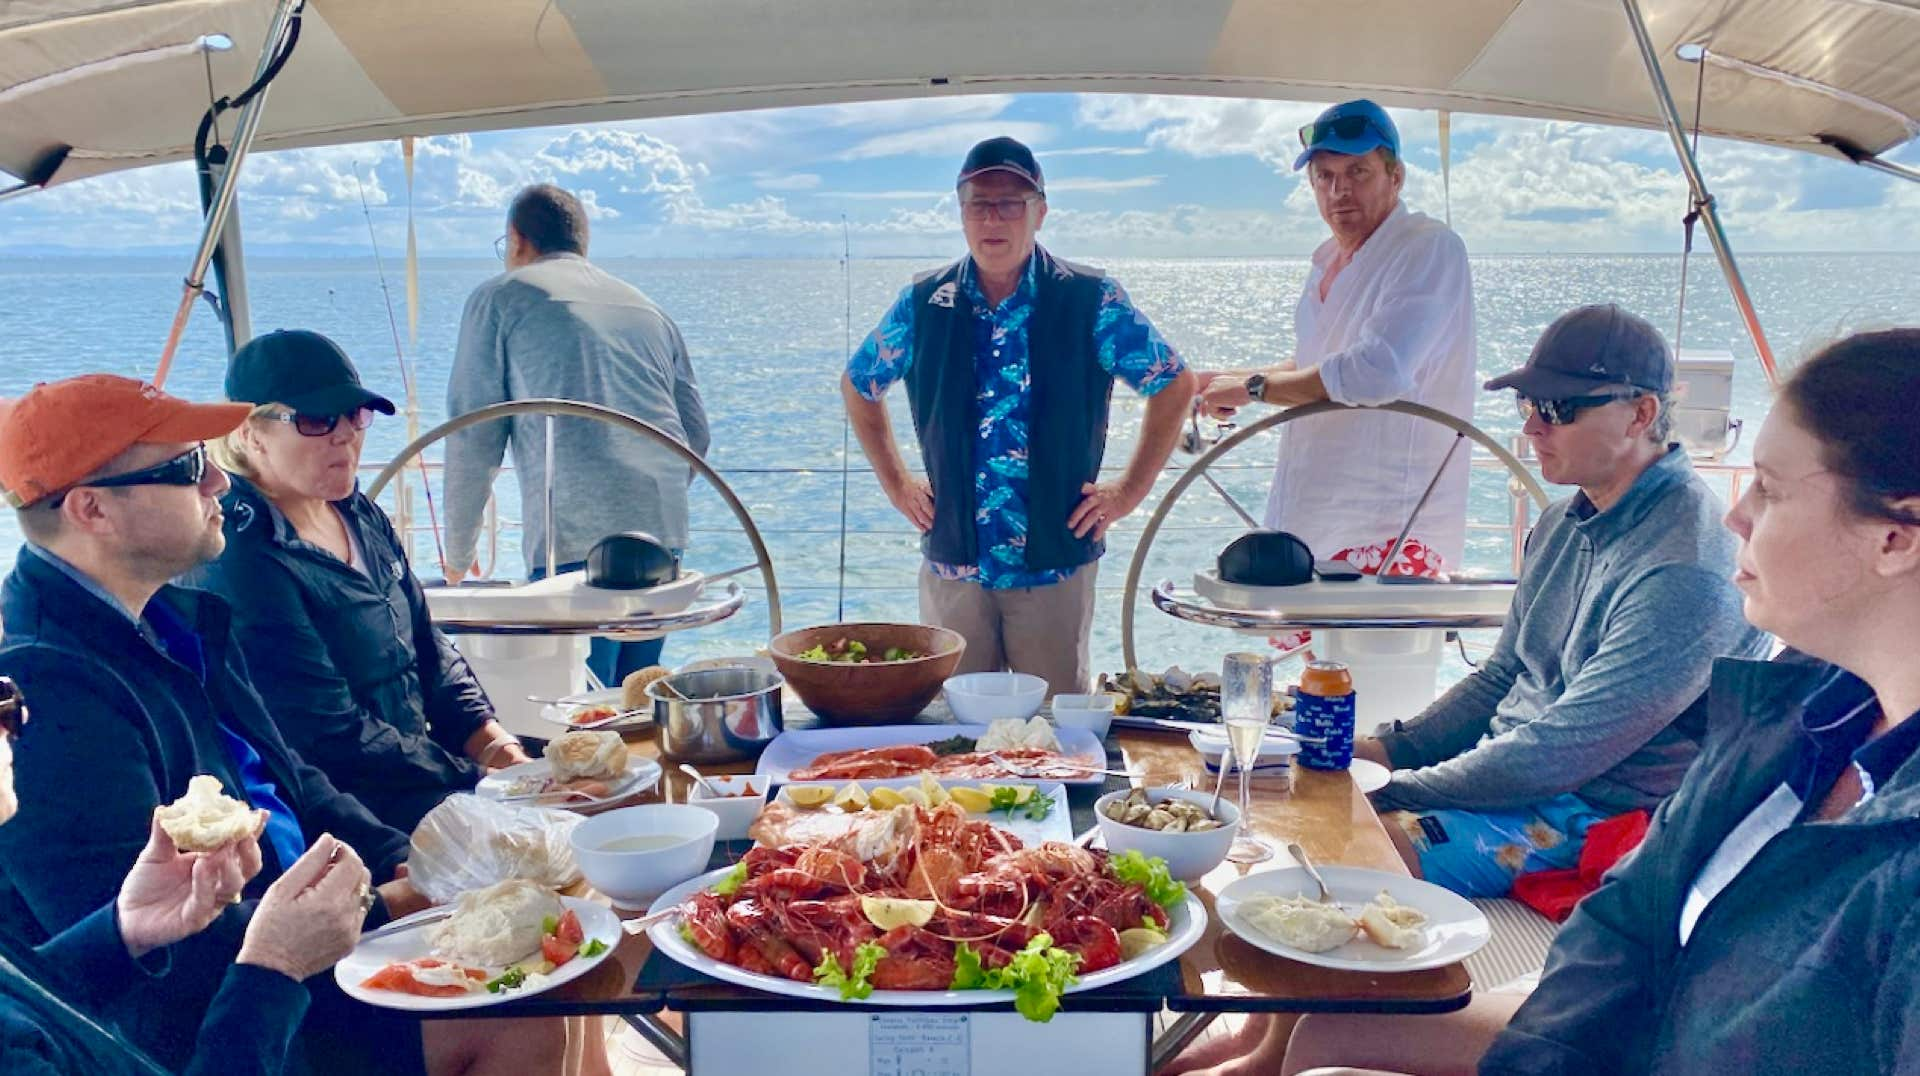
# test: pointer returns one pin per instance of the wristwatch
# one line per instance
(1257, 387)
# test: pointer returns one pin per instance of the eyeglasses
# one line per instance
(500, 248)
(322, 425)
(186, 469)
(1564, 412)
(998, 208)
(1344, 128)
(13, 708)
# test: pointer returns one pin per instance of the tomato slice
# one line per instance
(556, 951)
(569, 930)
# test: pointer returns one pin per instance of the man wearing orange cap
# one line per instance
(137, 687)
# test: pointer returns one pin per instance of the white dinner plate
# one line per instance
(558, 712)
(1185, 923)
(596, 921)
(641, 773)
(796, 748)
(1369, 775)
(1454, 930)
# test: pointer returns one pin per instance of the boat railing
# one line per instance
(411, 519)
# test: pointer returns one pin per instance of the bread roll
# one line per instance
(601, 756)
(1392, 924)
(206, 818)
(633, 689)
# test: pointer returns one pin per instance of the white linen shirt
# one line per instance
(1397, 324)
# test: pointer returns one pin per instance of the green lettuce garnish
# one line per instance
(733, 881)
(1037, 975)
(866, 957)
(595, 946)
(1036, 805)
(512, 978)
(1149, 874)
(686, 935)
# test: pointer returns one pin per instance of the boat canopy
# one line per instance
(93, 86)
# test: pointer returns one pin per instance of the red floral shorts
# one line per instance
(1415, 558)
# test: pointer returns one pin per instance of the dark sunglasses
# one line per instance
(186, 469)
(1344, 128)
(1564, 412)
(13, 708)
(321, 425)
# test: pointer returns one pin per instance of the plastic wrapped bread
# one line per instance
(470, 843)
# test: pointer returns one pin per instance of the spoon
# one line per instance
(1220, 783)
(701, 779)
(1306, 864)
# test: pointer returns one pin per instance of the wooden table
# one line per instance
(1324, 812)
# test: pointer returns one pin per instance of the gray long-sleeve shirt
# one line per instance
(1611, 637)
(561, 327)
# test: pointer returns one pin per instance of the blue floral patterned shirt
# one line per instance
(1128, 347)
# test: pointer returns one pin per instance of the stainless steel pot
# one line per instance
(717, 715)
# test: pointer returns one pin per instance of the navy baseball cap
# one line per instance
(303, 370)
(1352, 128)
(1590, 350)
(1002, 154)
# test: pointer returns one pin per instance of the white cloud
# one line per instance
(890, 196)
(1100, 151)
(1203, 126)
(944, 140)
(1102, 186)
(798, 181)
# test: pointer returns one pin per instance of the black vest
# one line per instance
(1067, 403)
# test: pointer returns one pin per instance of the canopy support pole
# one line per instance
(229, 266)
(1862, 158)
(222, 201)
(1709, 211)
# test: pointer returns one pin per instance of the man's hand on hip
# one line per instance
(1103, 505)
(913, 498)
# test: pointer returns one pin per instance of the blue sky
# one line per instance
(1128, 176)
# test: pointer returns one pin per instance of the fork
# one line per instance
(1306, 864)
(1033, 775)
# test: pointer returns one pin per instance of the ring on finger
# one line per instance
(366, 899)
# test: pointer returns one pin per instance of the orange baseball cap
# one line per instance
(62, 431)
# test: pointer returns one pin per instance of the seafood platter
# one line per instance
(1004, 750)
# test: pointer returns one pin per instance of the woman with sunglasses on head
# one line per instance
(1771, 920)
(50, 993)
(332, 619)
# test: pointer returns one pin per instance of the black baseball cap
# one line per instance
(1590, 350)
(1002, 154)
(303, 370)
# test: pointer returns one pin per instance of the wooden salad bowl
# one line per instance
(873, 692)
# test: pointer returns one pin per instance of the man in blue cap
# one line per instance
(1387, 314)
(1009, 357)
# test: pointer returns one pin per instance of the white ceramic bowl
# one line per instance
(1091, 712)
(736, 811)
(632, 879)
(1188, 855)
(977, 698)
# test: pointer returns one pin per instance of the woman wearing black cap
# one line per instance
(333, 622)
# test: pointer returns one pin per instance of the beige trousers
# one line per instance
(1039, 630)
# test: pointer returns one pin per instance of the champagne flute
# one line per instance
(1246, 707)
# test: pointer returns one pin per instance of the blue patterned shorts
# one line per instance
(1479, 853)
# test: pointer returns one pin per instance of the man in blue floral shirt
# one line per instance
(1009, 357)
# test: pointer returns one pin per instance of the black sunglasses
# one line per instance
(13, 708)
(321, 425)
(186, 469)
(1341, 127)
(1564, 412)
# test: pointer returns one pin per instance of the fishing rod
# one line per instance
(406, 376)
(846, 422)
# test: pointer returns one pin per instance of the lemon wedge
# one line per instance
(885, 799)
(972, 800)
(917, 795)
(1137, 940)
(851, 798)
(809, 795)
(889, 912)
(936, 792)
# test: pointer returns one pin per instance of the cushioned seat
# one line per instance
(1521, 938)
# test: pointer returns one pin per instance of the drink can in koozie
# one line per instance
(1323, 710)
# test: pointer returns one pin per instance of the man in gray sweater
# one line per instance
(1592, 701)
(556, 325)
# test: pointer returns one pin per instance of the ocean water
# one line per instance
(769, 339)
